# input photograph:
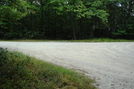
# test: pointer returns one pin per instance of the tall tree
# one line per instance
(10, 12)
(119, 20)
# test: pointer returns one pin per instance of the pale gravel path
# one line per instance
(110, 64)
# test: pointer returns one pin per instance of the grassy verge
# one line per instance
(84, 40)
(18, 71)
(103, 40)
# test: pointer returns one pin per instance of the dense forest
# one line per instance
(66, 19)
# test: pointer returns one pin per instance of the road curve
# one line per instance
(110, 64)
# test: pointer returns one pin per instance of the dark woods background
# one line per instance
(66, 19)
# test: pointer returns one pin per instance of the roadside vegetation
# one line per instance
(18, 71)
(84, 40)
(103, 40)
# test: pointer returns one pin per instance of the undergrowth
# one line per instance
(18, 71)
(83, 40)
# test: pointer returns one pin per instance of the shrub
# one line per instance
(13, 71)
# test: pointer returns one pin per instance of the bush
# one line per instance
(13, 71)
(3, 56)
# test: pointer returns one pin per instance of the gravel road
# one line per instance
(110, 64)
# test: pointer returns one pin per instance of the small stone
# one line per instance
(97, 84)
(112, 84)
(98, 78)
(105, 74)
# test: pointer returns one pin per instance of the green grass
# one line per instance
(103, 40)
(18, 71)
(84, 40)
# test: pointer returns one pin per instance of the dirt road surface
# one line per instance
(110, 64)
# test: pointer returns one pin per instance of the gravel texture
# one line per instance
(110, 64)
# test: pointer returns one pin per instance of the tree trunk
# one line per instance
(43, 18)
(92, 31)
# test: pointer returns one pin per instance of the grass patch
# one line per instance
(102, 40)
(84, 40)
(18, 71)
